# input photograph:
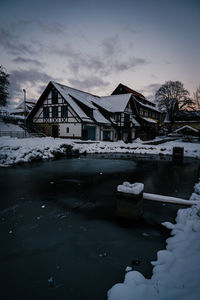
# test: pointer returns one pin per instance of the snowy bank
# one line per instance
(13, 150)
(176, 273)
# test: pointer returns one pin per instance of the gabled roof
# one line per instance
(147, 106)
(69, 94)
(125, 89)
(66, 96)
(187, 127)
(114, 103)
(83, 97)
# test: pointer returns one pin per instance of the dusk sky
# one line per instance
(94, 45)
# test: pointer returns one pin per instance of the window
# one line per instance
(46, 112)
(54, 96)
(63, 111)
(126, 118)
(67, 130)
(54, 112)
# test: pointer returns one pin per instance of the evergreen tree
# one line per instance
(4, 85)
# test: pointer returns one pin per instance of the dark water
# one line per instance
(57, 219)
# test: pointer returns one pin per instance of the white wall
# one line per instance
(133, 134)
(75, 130)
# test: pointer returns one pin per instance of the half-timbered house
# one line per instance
(122, 114)
(62, 111)
(147, 115)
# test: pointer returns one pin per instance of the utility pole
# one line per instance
(24, 91)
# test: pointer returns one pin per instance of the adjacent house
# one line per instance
(22, 109)
(62, 111)
(187, 118)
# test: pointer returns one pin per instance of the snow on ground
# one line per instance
(13, 150)
(9, 127)
(176, 273)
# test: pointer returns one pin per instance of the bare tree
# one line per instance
(4, 84)
(171, 97)
(196, 99)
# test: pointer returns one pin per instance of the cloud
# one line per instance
(88, 83)
(22, 60)
(104, 63)
(12, 44)
(150, 90)
(111, 45)
(29, 80)
(131, 63)
(49, 28)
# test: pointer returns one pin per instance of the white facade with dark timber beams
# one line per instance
(62, 111)
(65, 112)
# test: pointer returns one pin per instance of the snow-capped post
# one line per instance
(178, 154)
(130, 200)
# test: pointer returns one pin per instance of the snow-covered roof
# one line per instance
(99, 118)
(133, 120)
(113, 103)
(5, 126)
(113, 120)
(150, 120)
(29, 104)
(64, 92)
(83, 97)
(187, 127)
(147, 106)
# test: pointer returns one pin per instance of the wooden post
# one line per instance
(130, 201)
(178, 154)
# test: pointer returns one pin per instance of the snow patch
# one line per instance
(176, 270)
(134, 188)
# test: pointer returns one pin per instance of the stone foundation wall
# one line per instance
(46, 128)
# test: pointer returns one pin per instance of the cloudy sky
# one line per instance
(94, 45)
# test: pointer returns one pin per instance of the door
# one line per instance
(90, 133)
(55, 131)
(106, 135)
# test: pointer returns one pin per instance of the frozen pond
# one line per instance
(57, 219)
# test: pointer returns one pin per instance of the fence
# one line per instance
(20, 134)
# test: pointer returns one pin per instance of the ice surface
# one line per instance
(177, 269)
